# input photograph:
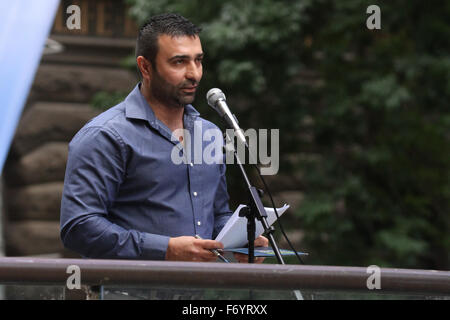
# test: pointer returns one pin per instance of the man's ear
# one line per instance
(144, 67)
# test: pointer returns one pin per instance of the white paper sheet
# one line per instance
(234, 233)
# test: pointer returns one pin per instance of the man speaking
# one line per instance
(124, 197)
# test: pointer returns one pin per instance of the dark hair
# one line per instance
(169, 24)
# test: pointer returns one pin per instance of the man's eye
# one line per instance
(180, 61)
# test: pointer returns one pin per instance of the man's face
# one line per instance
(178, 70)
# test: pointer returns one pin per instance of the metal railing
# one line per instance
(135, 273)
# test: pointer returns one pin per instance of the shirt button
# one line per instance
(195, 194)
(199, 223)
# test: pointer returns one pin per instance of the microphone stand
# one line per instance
(216, 99)
(255, 210)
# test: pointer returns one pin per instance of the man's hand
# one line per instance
(192, 249)
(259, 242)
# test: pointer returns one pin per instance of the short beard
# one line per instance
(168, 94)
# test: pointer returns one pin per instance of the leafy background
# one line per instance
(363, 116)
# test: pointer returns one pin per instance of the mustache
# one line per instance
(189, 84)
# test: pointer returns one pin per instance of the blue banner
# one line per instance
(24, 28)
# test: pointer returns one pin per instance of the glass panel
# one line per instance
(367, 295)
(31, 292)
(116, 293)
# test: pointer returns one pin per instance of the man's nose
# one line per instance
(194, 72)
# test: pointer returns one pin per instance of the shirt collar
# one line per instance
(138, 108)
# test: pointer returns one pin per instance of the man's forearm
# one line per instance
(97, 237)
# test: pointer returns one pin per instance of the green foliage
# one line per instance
(382, 130)
(104, 100)
(367, 110)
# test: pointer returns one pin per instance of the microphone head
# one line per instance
(213, 96)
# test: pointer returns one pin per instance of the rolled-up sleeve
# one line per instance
(94, 173)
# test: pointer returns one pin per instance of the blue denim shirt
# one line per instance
(123, 195)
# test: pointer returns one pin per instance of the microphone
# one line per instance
(217, 100)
